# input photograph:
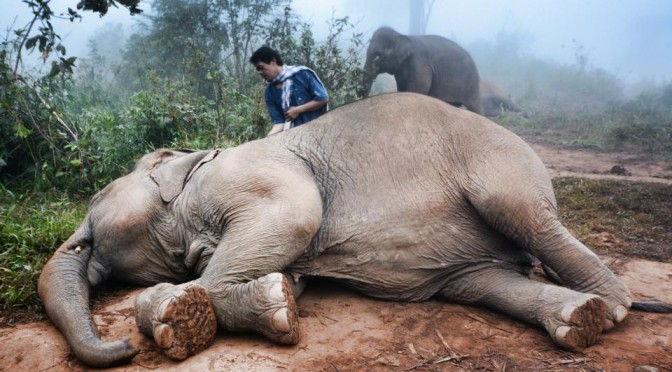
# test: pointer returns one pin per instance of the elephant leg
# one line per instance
(243, 276)
(297, 283)
(574, 320)
(525, 213)
(569, 262)
(180, 318)
(266, 306)
(614, 292)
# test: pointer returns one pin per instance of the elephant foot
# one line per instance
(280, 323)
(581, 324)
(184, 322)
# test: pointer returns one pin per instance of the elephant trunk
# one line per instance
(63, 288)
(370, 73)
(367, 83)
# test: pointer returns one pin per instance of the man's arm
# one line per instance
(274, 112)
(294, 112)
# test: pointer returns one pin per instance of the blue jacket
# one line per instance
(305, 87)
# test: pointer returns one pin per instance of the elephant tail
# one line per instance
(652, 306)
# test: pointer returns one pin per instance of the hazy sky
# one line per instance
(632, 38)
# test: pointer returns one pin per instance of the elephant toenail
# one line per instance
(608, 324)
(277, 293)
(561, 332)
(567, 313)
(164, 310)
(164, 336)
(281, 321)
(271, 278)
(620, 312)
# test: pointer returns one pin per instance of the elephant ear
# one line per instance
(172, 175)
(402, 49)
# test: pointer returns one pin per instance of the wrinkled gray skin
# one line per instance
(495, 102)
(399, 196)
(426, 64)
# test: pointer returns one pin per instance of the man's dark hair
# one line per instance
(266, 55)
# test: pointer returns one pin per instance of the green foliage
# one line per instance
(183, 42)
(101, 6)
(339, 66)
(33, 226)
(336, 60)
(35, 136)
(171, 116)
(189, 40)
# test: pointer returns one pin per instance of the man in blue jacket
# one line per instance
(294, 95)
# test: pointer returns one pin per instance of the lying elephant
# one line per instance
(399, 196)
(495, 102)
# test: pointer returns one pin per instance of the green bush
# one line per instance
(34, 225)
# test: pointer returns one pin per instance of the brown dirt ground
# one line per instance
(344, 331)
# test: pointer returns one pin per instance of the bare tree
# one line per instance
(419, 14)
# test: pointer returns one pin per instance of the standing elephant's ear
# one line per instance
(402, 49)
(174, 173)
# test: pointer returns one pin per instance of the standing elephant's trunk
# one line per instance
(367, 83)
(64, 289)
(370, 73)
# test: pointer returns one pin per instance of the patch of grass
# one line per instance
(636, 216)
(556, 127)
(32, 228)
(633, 126)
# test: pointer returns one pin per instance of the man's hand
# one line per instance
(293, 113)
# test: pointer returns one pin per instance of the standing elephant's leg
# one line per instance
(574, 320)
(414, 78)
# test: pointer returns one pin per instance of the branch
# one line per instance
(23, 42)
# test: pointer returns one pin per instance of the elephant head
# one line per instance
(119, 231)
(386, 52)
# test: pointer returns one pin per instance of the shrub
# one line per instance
(34, 225)
(642, 124)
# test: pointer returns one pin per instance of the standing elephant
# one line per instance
(427, 64)
(399, 196)
(495, 102)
